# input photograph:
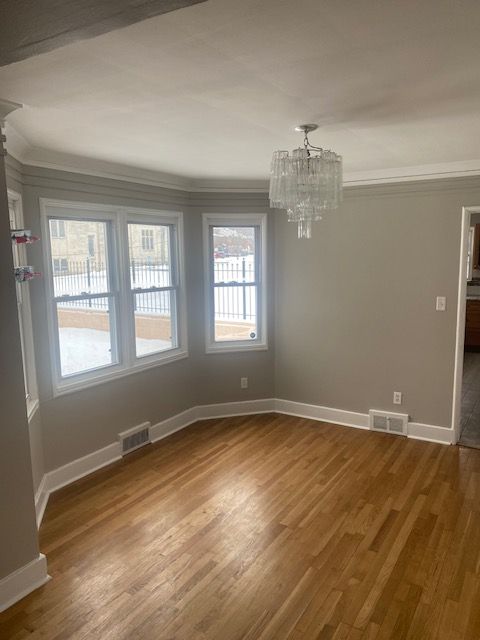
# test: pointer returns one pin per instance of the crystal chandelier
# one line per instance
(305, 185)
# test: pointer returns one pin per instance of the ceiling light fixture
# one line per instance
(306, 185)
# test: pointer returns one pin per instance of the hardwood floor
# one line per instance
(264, 528)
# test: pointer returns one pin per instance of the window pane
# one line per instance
(85, 335)
(233, 254)
(149, 251)
(235, 296)
(80, 257)
(235, 313)
(153, 322)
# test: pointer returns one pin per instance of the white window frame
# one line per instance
(24, 310)
(176, 276)
(260, 343)
(118, 250)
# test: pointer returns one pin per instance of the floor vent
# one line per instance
(389, 422)
(134, 438)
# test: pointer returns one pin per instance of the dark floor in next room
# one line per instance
(470, 432)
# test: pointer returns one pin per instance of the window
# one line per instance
(24, 311)
(235, 254)
(147, 239)
(113, 312)
(154, 290)
(91, 245)
(57, 229)
(60, 264)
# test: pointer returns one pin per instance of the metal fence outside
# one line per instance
(234, 288)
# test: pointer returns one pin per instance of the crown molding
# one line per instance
(21, 150)
(459, 169)
(6, 107)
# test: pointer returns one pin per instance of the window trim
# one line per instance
(25, 315)
(128, 363)
(232, 220)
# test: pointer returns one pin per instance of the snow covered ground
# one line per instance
(85, 349)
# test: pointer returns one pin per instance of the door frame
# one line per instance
(461, 315)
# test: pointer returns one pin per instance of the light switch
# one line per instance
(441, 303)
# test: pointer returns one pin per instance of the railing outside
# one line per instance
(234, 280)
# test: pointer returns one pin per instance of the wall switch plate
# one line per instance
(397, 397)
(441, 303)
(243, 383)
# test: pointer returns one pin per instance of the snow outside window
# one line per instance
(113, 309)
(235, 253)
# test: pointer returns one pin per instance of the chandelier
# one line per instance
(305, 185)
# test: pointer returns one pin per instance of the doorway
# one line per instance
(466, 402)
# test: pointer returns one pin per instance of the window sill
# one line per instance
(235, 348)
(73, 387)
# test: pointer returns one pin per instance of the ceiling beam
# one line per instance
(30, 28)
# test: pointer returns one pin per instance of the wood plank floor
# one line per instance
(264, 528)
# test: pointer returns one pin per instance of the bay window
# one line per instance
(112, 309)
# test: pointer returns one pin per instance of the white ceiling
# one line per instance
(208, 92)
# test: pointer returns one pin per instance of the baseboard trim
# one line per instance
(41, 499)
(23, 581)
(171, 425)
(323, 414)
(81, 467)
(77, 469)
(230, 409)
(430, 433)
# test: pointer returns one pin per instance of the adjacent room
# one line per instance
(240, 328)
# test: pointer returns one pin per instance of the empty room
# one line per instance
(240, 271)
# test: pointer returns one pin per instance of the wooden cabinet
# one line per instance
(472, 324)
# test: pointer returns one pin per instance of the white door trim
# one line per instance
(461, 311)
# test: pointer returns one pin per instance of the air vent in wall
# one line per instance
(389, 422)
(134, 438)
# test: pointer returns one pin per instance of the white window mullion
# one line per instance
(125, 298)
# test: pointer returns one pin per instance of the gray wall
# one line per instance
(351, 312)
(18, 531)
(355, 306)
(83, 421)
(14, 172)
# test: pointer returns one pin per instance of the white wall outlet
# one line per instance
(441, 303)
(243, 383)
(397, 397)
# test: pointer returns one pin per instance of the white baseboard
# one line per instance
(324, 414)
(229, 409)
(430, 433)
(41, 499)
(81, 467)
(23, 581)
(416, 430)
(76, 469)
(171, 425)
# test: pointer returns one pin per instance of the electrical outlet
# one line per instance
(243, 383)
(441, 303)
(397, 397)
